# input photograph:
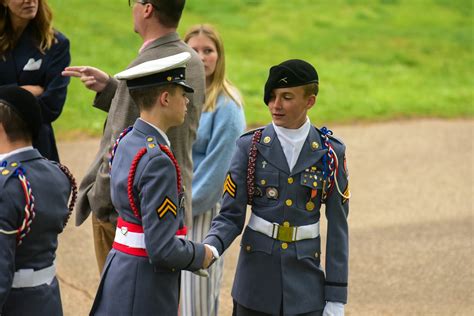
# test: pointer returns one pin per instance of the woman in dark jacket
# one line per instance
(32, 56)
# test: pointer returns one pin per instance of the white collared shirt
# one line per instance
(16, 151)
(292, 141)
(159, 131)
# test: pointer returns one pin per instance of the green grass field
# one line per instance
(377, 59)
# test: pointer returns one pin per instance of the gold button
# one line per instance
(5, 172)
(286, 224)
(248, 248)
(316, 255)
(289, 202)
(267, 139)
(149, 139)
(315, 184)
(151, 145)
(173, 269)
(284, 245)
(290, 180)
(314, 145)
(14, 164)
(263, 182)
(310, 206)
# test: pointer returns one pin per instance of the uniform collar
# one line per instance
(23, 154)
(150, 129)
(270, 148)
(14, 152)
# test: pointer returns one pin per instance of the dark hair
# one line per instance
(168, 11)
(15, 128)
(145, 98)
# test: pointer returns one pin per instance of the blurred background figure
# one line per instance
(221, 123)
(32, 56)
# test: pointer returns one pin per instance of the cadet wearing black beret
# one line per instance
(286, 171)
(290, 73)
(25, 105)
(34, 209)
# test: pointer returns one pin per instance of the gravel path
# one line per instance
(411, 222)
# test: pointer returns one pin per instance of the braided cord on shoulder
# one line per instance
(29, 210)
(167, 151)
(73, 183)
(131, 176)
(251, 166)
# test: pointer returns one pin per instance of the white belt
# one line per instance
(32, 278)
(283, 232)
(130, 239)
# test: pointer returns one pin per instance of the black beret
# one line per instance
(290, 73)
(25, 104)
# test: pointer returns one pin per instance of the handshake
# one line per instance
(210, 256)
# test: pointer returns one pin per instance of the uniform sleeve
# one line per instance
(229, 223)
(160, 206)
(337, 246)
(228, 124)
(55, 85)
(8, 222)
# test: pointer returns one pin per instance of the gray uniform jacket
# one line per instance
(50, 188)
(134, 285)
(94, 191)
(272, 274)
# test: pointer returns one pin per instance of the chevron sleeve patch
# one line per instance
(167, 206)
(229, 186)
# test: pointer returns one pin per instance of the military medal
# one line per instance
(272, 193)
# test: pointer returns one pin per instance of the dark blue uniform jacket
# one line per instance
(26, 65)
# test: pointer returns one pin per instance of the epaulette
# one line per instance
(152, 146)
(252, 131)
(7, 171)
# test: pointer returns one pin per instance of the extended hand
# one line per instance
(93, 78)
(333, 309)
(209, 257)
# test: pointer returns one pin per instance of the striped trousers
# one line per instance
(199, 295)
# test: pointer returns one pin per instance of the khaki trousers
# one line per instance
(104, 234)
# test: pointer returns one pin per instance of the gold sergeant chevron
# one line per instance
(165, 207)
(229, 186)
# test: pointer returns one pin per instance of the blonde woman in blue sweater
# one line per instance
(222, 122)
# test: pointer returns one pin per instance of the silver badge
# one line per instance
(272, 193)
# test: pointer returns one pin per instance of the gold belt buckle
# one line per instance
(285, 233)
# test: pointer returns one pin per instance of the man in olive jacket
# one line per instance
(156, 22)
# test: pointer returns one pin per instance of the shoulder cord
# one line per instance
(331, 168)
(24, 229)
(133, 169)
(72, 181)
(114, 147)
(251, 166)
(131, 176)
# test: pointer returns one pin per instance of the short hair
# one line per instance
(145, 98)
(309, 89)
(15, 128)
(168, 11)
